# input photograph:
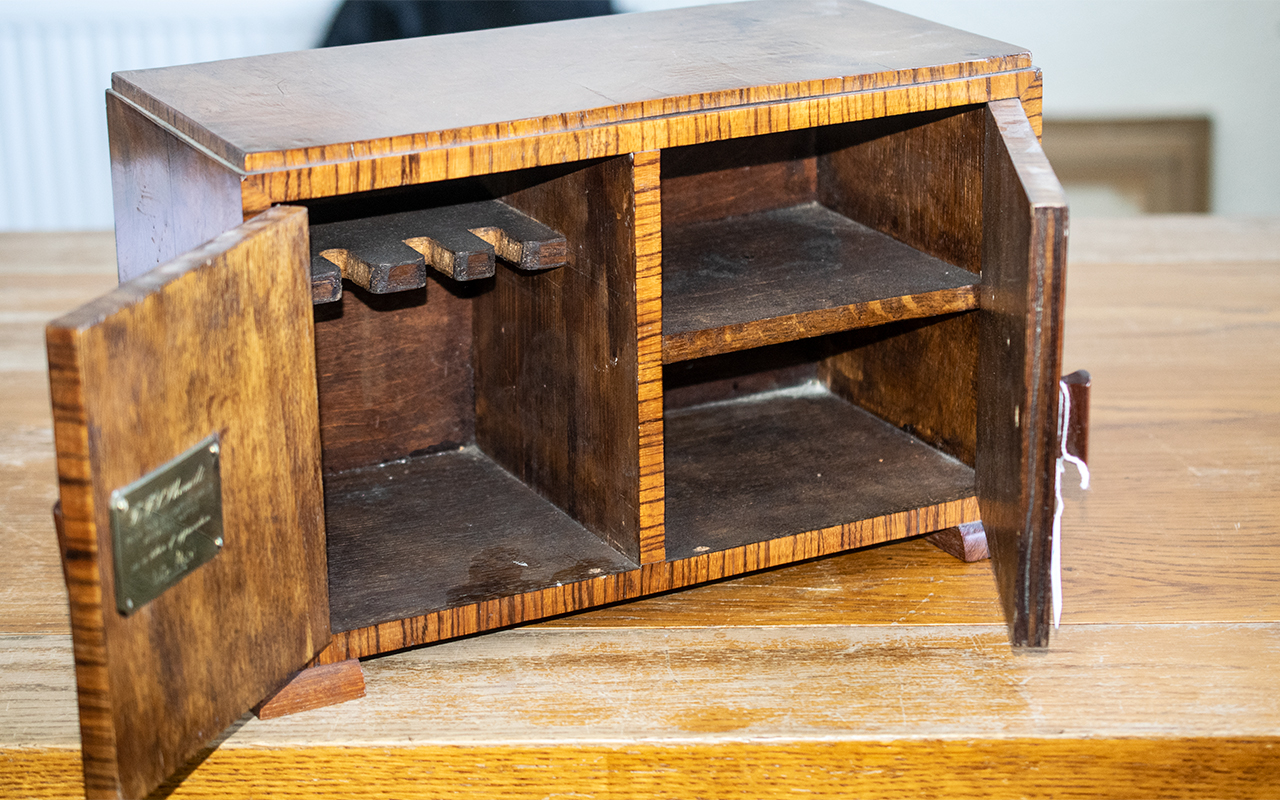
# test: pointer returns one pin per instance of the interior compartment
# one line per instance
(766, 443)
(479, 437)
(819, 338)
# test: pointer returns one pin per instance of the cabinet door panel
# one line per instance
(218, 343)
(1019, 359)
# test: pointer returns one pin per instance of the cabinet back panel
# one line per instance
(394, 373)
(741, 373)
(738, 176)
(918, 375)
(916, 177)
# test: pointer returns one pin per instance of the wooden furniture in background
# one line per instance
(611, 325)
(1158, 166)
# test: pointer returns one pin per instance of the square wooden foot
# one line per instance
(967, 542)
(315, 687)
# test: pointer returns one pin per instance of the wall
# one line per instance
(1102, 59)
(56, 60)
(1147, 58)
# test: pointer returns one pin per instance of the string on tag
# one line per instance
(1055, 557)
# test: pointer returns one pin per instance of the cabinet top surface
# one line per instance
(252, 112)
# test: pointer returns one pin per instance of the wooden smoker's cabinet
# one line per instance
(781, 279)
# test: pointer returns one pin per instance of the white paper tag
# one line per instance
(1055, 557)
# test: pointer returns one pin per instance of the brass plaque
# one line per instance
(165, 524)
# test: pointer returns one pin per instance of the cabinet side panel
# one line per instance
(395, 374)
(168, 196)
(918, 375)
(216, 342)
(916, 177)
(1019, 359)
(556, 355)
(1033, 103)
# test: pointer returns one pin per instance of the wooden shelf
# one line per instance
(792, 461)
(792, 273)
(443, 530)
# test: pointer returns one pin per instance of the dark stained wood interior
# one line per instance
(918, 375)
(739, 176)
(395, 374)
(742, 372)
(444, 530)
(792, 273)
(791, 461)
(556, 355)
(916, 177)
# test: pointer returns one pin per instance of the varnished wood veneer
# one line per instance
(553, 79)
(169, 197)
(650, 579)
(137, 377)
(1019, 361)
(553, 384)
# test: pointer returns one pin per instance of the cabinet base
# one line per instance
(967, 542)
(315, 687)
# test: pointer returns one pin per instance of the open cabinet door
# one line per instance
(1019, 359)
(192, 527)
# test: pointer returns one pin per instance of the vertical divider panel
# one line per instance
(648, 236)
(556, 355)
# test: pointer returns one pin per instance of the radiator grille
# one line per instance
(56, 60)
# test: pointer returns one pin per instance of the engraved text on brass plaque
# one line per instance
(166, 524)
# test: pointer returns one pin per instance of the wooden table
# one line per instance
(882, 673)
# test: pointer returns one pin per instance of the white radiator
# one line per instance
(56, 60)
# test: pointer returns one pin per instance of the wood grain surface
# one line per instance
(370, 354)
(444, 530)
(792, 460)
(1149, 303)
(168, 197)
(746, 712)
(1019, 364)
(1160, 683)
(314, 687)
(916, 177)
(555, 352)
(413, 94)
(216, 342)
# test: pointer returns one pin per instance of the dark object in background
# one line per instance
(359, 21)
